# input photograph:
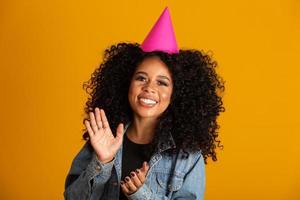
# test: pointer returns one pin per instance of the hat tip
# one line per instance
(166, 9)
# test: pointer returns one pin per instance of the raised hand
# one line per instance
(137, 178)
(102, 140)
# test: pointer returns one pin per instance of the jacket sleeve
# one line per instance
(193, 186)
(83, 179)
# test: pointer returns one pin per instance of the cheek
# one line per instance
(133, 91)
(166, 96)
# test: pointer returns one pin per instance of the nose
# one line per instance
(149, 88)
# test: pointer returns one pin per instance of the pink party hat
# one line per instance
(162, 36)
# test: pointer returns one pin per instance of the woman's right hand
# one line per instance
(102, 140)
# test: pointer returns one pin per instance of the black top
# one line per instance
(132, 158)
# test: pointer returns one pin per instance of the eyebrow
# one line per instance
(161, 76)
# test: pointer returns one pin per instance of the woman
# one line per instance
(151, 125)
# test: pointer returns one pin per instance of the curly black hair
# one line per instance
(196, 100)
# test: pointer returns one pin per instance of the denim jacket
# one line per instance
(169, 176)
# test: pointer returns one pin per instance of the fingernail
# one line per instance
(132, 174)
(122, 182)
(127, 179)
(137, 171)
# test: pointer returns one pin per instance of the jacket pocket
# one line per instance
(169, 182)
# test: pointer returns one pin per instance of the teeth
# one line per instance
(148, 101)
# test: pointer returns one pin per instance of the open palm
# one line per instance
(102, 140)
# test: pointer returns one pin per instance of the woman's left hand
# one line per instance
(136, 179)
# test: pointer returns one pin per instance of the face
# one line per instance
(150, 88)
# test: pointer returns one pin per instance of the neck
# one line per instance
(141, 130)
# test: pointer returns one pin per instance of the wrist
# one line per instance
(106, 160)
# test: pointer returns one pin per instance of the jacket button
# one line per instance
(115, 183)
(98, 168)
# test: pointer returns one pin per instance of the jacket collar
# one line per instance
(166, 142)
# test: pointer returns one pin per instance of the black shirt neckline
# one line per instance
(133, 143)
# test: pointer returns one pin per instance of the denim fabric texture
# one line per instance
(180, 176)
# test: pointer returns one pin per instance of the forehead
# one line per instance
(153, 66)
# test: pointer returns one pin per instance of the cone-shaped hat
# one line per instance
(162, 36)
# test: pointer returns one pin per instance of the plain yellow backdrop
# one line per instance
(49, 48)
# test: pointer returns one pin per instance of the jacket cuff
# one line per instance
(143, 193)
(96, 168)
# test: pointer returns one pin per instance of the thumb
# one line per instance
(120, 133)
(145, 167)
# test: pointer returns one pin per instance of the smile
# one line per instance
(147, 102)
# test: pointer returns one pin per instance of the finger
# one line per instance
(104, 119)
(93, 123)
(124, 188)
(145, 167)
(120, 132)
(140, 175)
(135, 179)
(98, 117)
(89, 128)
(130, 185)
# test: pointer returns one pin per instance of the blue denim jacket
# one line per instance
(169, 177)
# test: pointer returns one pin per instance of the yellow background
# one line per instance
(49, 48)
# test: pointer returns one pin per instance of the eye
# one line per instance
(162, 83)
(140, 78)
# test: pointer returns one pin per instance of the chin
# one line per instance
(146, 114)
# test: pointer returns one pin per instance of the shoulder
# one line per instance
(186, 156)
(190, 159)
(82, 158)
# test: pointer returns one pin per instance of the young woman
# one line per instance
(151, 125)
